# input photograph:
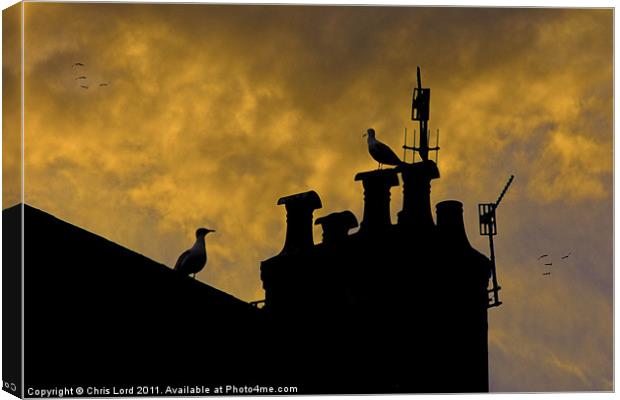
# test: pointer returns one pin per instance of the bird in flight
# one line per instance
(380, 151)
(549, 264)
(78, 64)
(103, 84)
(543, 256)
(193, 260)
(546, 273)
(80, 77)
(84, 86)
(566, 256)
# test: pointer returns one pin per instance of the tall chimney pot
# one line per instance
(299, 209)
(416, 210)
(377, 186)
(450, 223)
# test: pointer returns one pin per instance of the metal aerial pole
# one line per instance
(488, 227)
(420, 111)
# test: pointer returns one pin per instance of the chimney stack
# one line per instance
(377, 186)
(336, 226)
(299, 209)
(416, 210)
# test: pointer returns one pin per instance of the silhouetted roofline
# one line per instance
(214, 292)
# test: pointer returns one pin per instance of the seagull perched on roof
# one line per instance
(194, 260)
(381, 152)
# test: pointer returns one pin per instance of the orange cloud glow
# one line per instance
(214, 112)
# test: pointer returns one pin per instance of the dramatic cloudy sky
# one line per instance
(214, 112)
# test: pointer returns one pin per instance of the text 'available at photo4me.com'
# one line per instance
(136, 390)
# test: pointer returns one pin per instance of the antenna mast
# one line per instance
(420, 111)
(488, 227)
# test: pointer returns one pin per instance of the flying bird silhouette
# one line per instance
(80, 77)
(544, 255)
(380, 151)
(566, 256)
(193, 260)
(546, 273)
(103, 84)
(84, 86)
(78, 64)
(549, 264)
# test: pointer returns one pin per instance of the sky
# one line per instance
(212, 113)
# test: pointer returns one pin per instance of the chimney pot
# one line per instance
(416, 210)
(377, 186)
(299, 209)
(336, 226)
(450, 223)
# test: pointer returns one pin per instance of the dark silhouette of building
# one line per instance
(96, 313)
(391, 308)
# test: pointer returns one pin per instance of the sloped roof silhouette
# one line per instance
(98, 312)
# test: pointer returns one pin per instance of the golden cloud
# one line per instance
(214, 112)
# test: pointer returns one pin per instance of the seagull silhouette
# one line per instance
(84, 86)
(103, 84)
(78, 64)
(193, 260)
(544, 255)
(566, 256)
(380, 151)
(549, 264)
(546, 273)
(80, 77)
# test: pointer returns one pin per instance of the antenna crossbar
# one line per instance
(501, 196)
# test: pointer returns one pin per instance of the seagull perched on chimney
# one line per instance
(379, 151)
(194, 260)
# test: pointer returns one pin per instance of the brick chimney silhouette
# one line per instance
(416, 212)
(299, 209)
(336, 226)
(377, 186)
